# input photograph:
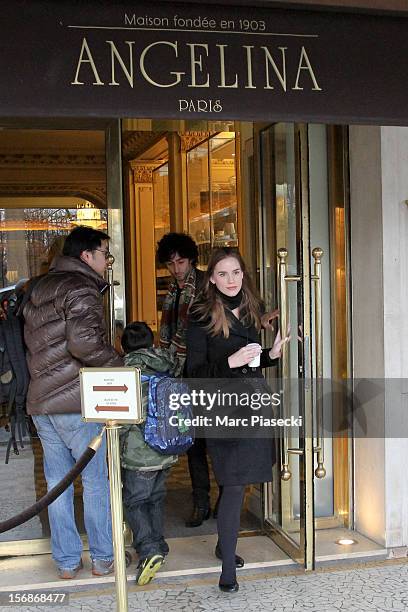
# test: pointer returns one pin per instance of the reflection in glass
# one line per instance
(27, 234)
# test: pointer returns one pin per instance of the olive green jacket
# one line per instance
(135, 454)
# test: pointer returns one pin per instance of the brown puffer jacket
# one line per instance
(64, 330)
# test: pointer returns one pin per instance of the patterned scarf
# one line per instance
(171, 336)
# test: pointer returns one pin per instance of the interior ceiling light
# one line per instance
(346, 541)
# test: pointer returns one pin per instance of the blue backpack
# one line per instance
(158, 432)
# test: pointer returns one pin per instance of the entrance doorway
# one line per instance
(286, 196)
(278, 192)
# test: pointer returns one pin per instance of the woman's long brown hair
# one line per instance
(208, 306)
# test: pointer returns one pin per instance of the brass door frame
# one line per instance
(342, 448)
(307, 460)
(114, 194)
(304, 552)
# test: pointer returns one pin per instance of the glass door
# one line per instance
(287, 282)
(114, 201)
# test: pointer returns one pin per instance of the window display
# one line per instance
(209, 185)
(211, 192)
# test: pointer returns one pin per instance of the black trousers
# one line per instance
(229, 513)
(199, 474)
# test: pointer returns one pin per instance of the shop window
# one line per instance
(211, 192)
(29, 236)
(209, 182)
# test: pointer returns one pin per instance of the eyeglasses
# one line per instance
(106, 253)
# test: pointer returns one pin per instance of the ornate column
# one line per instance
(142, 243)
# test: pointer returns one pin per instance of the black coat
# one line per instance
(238, 461)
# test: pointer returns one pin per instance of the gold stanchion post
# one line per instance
(112, 431)
(112, 325)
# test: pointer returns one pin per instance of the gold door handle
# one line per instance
(111, 327)
(317, 254)
(284, 278)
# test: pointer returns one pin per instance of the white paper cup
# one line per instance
(256, 361)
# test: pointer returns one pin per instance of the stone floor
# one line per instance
(379, 586)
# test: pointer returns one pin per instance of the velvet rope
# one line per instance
(51, 496)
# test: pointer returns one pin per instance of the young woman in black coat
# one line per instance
(222, 339)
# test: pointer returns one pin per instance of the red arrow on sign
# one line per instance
(111, 408)
(123, 388)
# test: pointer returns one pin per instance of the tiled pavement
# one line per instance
(379, 586)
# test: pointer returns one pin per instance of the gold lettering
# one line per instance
(115, 54)
(222, 69)
(197, 62)
(142, 64)
(90, 60)
(281, 75)
(308, 67)
(249, 84)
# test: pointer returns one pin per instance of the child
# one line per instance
(144, 470)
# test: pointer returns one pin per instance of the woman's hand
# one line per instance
(276, 350)
(268, 317)
(244, 355)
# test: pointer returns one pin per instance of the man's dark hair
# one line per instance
(179, 243)
(136, 335)
(83, 238)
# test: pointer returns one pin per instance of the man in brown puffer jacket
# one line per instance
(64, 330)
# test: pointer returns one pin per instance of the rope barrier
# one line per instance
(56, 491)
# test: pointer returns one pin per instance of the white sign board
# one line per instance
(111, 394)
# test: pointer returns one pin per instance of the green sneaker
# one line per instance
(147, 569)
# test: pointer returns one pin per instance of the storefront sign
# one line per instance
(185, 61)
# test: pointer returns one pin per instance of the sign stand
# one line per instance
(113, 396)
(112, 435)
